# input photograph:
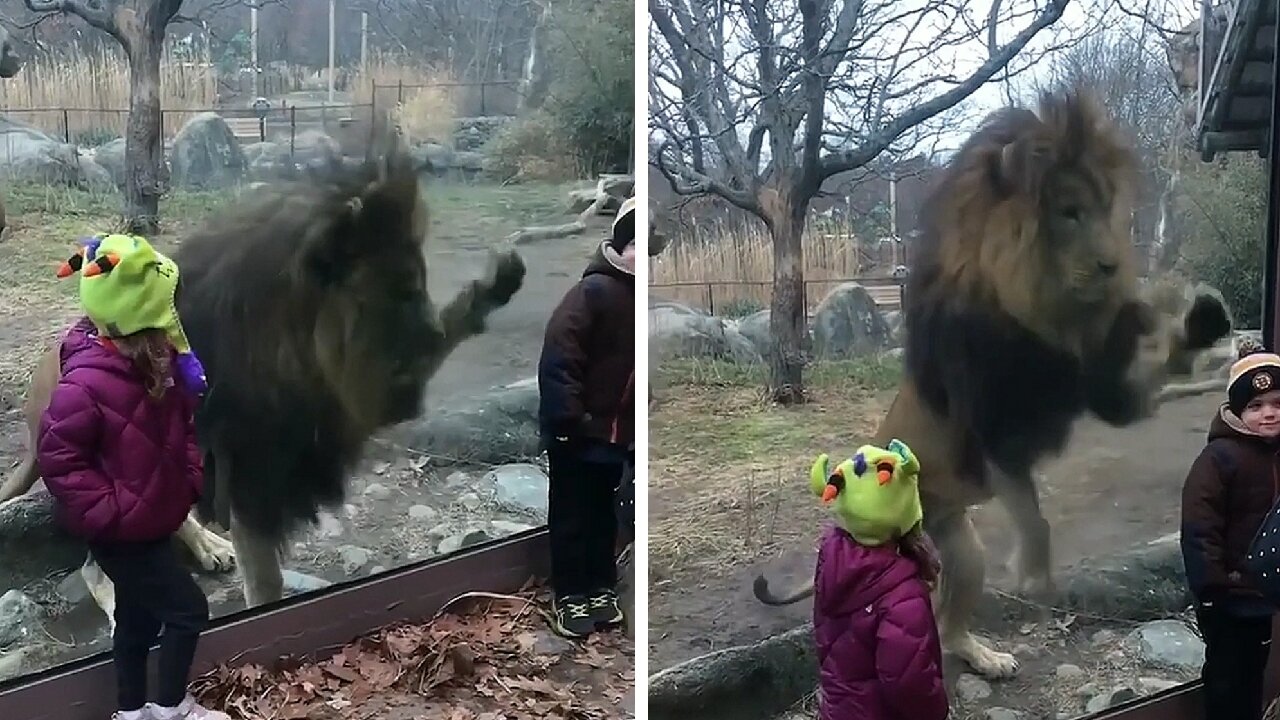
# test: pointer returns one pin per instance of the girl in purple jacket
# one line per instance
(879, 653)
(117, 450)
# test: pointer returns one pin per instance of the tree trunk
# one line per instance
(787, 325)
(143, 144)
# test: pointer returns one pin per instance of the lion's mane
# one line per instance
(1012, 328)
(308, 306)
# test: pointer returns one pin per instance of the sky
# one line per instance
(1080, 17)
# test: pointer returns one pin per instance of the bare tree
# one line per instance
(139, 26)
(759, 101)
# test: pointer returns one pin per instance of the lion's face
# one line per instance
(1083, 242)
(377, 333)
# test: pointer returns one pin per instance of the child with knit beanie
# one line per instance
(1228, 492)
(117, 450)
(879, 655)
(586, 418)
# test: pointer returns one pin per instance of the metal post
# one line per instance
(331, 42)
(66, 125)
(293, 129)
(483, 110)
(1271, 268)
(364, 39)
(253, 44)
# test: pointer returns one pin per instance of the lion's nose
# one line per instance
(1107, 267)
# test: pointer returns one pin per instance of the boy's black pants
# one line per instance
(153, 590)
(1235, 660)
(581, 520)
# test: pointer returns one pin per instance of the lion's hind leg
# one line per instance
(259, 560)
(959, 591)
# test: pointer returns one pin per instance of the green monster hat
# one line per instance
(876, 493)
(126, 286)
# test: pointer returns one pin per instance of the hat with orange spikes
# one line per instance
(126, 286)
(875, 493)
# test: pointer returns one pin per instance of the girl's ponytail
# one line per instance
(918, 546)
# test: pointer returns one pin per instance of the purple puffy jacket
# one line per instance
(122, 467)
(878, 651)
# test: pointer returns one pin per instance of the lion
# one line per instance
(307, 303)
(1023, 312)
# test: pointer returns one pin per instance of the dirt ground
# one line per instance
(397, 511)
(727, 498)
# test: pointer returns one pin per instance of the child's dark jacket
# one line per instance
(1228, 492)
(587, 369)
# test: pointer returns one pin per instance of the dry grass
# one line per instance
(426, 113)
(727, 469)
(738, 264)
(93, 87)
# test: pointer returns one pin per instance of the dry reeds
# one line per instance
(728, 269)
(83, 95)
(425, 113)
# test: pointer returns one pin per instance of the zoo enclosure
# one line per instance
(283, 121)
(887, 291)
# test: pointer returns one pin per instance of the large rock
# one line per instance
(522, 487)
(20, 618)
(848, 324)
(314, 146)
(680, 331)
(755, 327)
(206, 155)
(1170, 644)
(110, 156)
(473, 132)
(267, 160)
(32, 544)
(498, 427)
(750, 682)
(29, 155)
(432, 157)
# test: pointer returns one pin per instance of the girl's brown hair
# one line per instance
(918, 546)
(150, 352)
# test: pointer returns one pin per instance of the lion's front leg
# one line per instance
(1148, 346)
(212, 552)
(465, 316)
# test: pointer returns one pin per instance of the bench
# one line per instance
(244, 128)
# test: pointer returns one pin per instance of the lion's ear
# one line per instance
(1023, 165)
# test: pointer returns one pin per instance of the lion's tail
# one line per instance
(21, 481)
(761, 589)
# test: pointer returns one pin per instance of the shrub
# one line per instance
(1222, 211)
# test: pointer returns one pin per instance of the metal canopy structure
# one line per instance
(1237, 111)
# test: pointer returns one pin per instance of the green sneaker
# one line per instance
(605, 611)
(571, 616)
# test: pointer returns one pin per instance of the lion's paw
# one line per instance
(1037, 586)
(986, 662)
(504, 278)
(214, 553)
(1207, 322)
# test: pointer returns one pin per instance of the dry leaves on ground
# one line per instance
(492, 662)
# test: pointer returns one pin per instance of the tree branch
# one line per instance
(93, 12)
(883, 138)
(685, 181)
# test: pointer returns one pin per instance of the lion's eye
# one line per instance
(1071, 213)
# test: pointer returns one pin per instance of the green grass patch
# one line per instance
(877, 373)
